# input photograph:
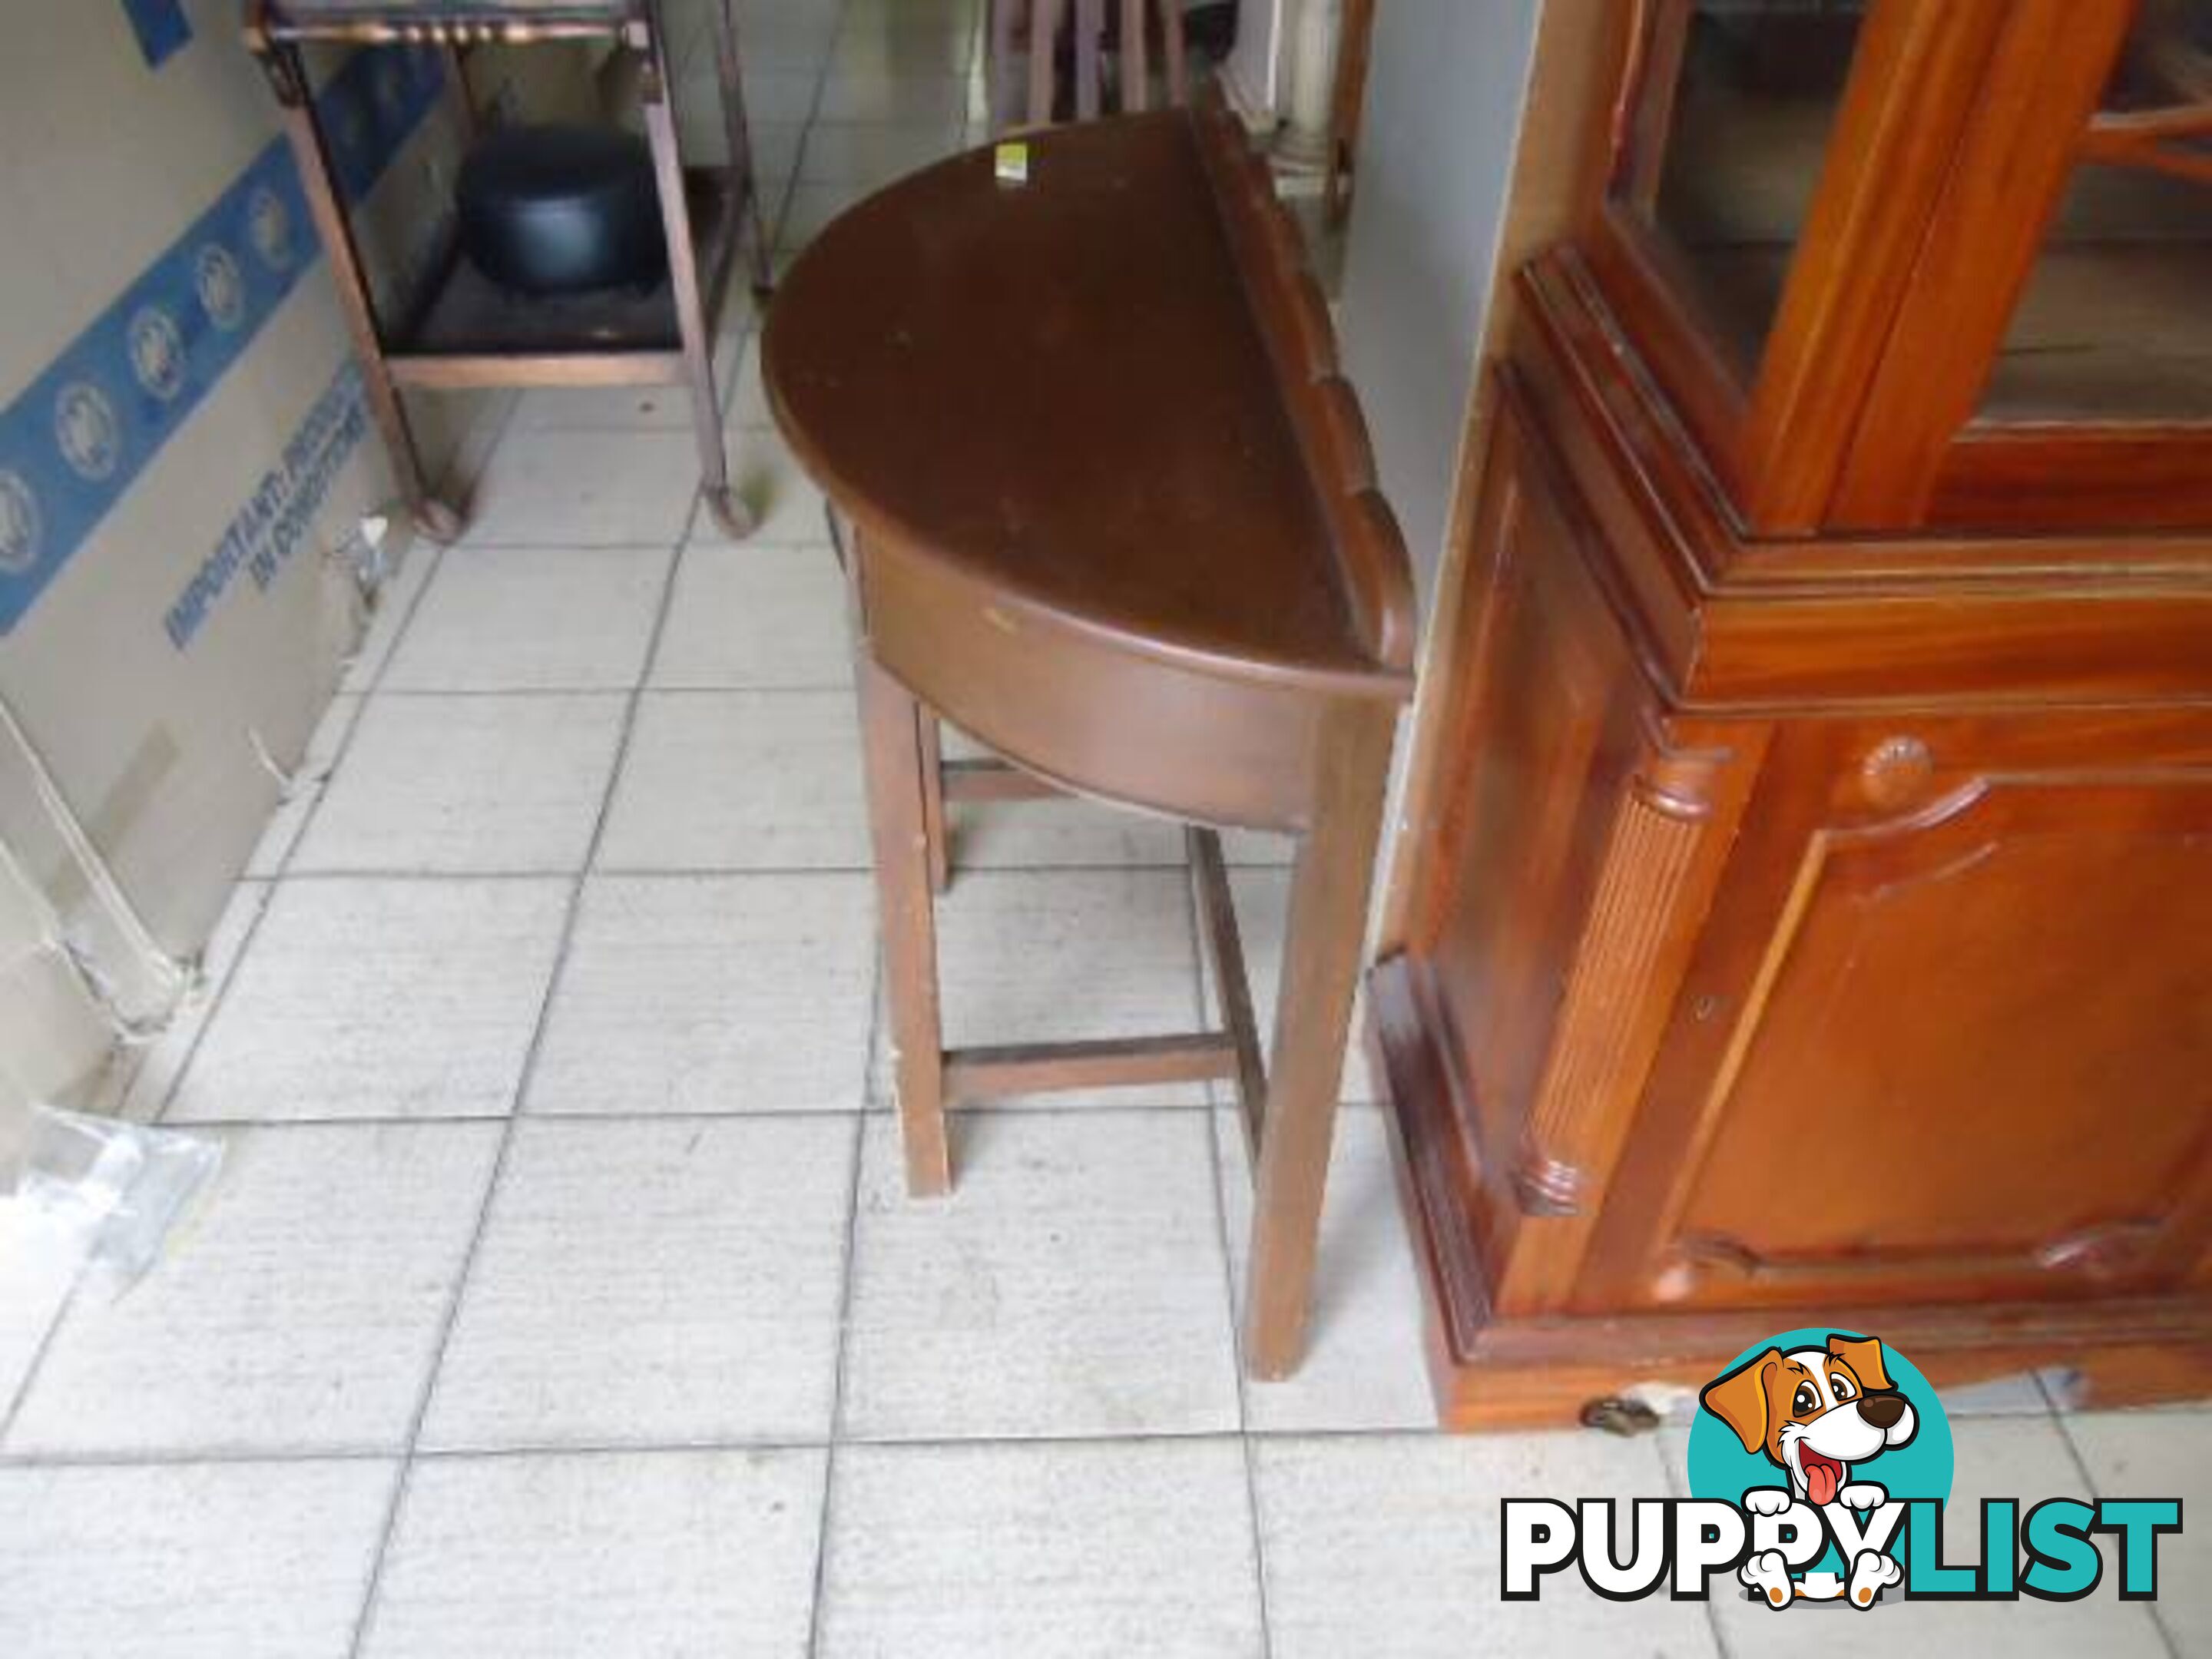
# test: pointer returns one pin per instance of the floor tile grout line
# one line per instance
(853, 1215)
(364, 1620)
(617, 688)
(822, 1521)
(643, 683)
(553, 543)
(2090, 1485)
(606, 691)
(406, 624)
(449, 477)
(1023, 1107)
(321, 784)
(256, 1455)
(219, 992)
(673, 872)
(437, 552)
(1216, 1164)
(38, 1361)
(773, 228)
(633, 872)
(692, 688)
(368, 690)
(1674, 1478)
(539, 544)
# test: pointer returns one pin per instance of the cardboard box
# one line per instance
(182, 445)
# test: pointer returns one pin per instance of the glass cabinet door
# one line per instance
(1737, 101)
(2115, 323)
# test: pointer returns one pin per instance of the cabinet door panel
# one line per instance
(1976, 1058)
(1534, 783)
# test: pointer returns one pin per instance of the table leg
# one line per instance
(933, 803)
(1322, 948)
(891, 724)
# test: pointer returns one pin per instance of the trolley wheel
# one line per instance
(438, 522)
(737, 519)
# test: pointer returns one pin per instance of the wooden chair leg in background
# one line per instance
(1006, 96)
(1171, 52)
(1044, 59)
(891, 724)
(1090, 45)
(1321, 954)
(1035, 28)
(1136, 74)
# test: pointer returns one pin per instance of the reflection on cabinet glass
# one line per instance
(1740, 99)
(2114, 324)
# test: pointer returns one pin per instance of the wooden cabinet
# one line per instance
(1810, 911)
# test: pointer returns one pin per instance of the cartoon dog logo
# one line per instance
(1818, 1413)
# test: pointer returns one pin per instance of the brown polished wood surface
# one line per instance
(1108, 444)
(1807, 916)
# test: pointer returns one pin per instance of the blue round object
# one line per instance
(558, 209)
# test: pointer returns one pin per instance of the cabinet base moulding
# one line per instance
(1492, 1372)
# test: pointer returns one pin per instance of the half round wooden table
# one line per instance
(1112, 513)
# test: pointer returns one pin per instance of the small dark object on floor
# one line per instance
(1619, 1416)
(558, 210)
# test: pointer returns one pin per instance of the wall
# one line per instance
(1444, 91)
(182, 442)
(1557, 161)
(1446, 86)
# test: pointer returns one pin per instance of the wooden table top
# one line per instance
(1109, 394)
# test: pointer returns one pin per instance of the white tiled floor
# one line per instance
(661, 1282)
(712, 993)
(560, 1295)
(706, 1553)
(534, 619)
(367, 997)
(740, 781)
(232, 1561)
(1073, 1285)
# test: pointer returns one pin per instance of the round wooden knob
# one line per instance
(1895, 770)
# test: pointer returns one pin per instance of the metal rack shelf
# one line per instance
(461, 330)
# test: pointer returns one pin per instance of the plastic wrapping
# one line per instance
(105, 1195)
